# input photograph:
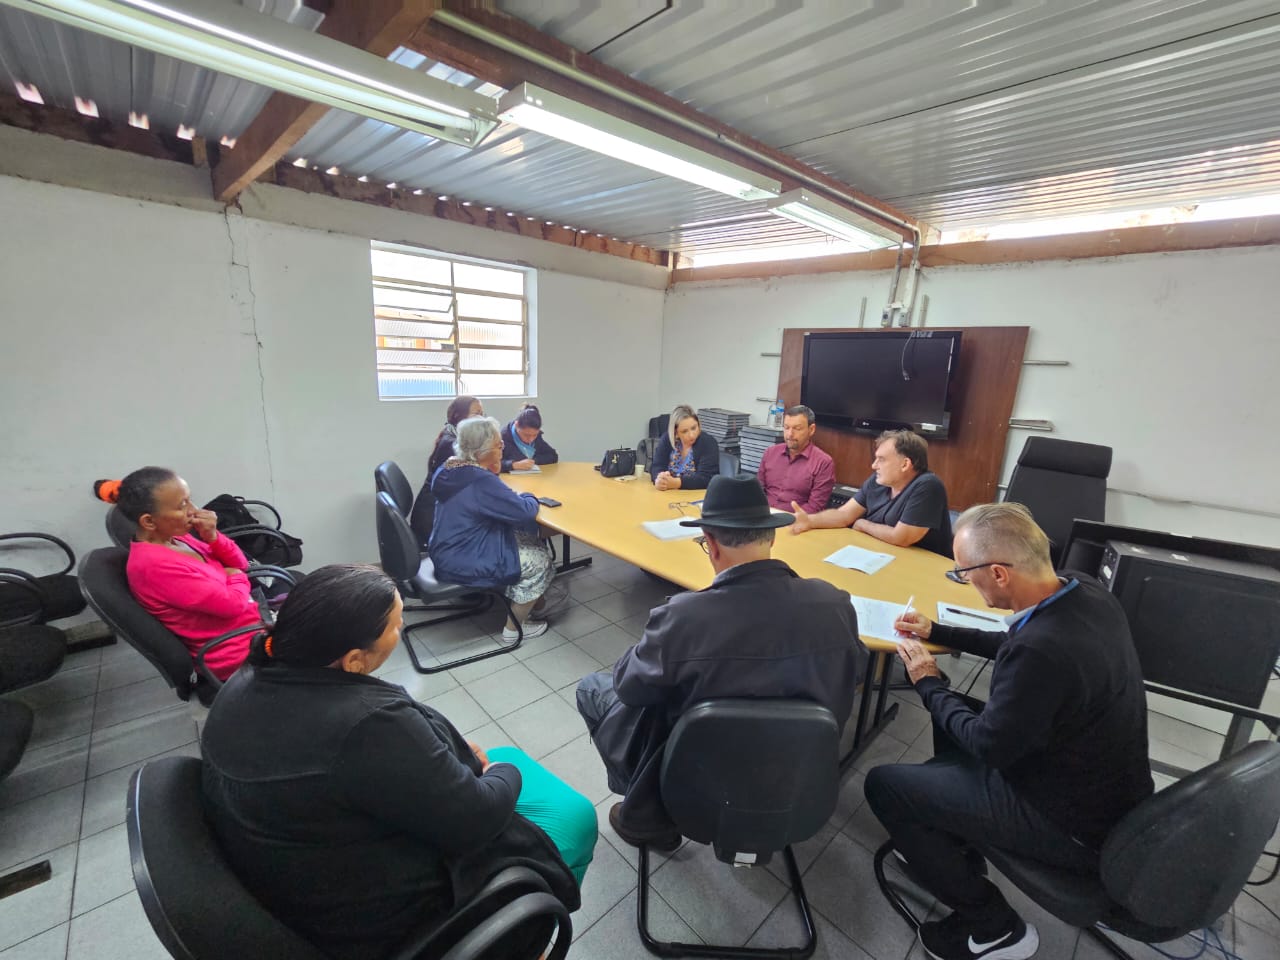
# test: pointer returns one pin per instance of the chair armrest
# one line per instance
(270, 571)
(262, 503)
(501, 889)
(66, 548)
(529, 907)
(23, 581)
(203, 670)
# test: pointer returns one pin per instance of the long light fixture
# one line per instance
(261, 49)
(541, 110)
(833, 219)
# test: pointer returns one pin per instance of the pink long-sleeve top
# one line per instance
(197, 600)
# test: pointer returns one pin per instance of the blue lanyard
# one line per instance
(1057, 595)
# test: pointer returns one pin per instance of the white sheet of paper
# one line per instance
(876, 617)
(534, 469)
(956, 616)
(671, 529)
(855, 558)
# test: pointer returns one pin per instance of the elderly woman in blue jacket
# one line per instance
(486, 534)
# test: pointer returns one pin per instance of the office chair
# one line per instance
(657, 429)
(1060, 481)
(199, 909)
(27, 598)
(388, 478)
(29, 654)
(404, 560)
(1174, 864)
(106, 588)
(750, 777)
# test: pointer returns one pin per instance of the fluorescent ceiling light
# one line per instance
(833, 219)
(537, 109)
(261, 49)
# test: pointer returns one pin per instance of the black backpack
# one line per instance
(259, 542)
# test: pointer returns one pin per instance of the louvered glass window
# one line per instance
(445, 327)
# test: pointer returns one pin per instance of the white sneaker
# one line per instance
(532, 628)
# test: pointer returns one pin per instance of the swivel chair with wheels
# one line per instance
(199, 909)
(403, 560)
(750, 777)
(1060, 481)
(1174, 864)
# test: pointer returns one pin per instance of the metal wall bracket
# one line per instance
(1045, 426)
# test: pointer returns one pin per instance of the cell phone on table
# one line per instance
(548, 502)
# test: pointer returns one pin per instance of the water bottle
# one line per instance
(775, 414)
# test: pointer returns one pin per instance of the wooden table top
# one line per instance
(607, 514)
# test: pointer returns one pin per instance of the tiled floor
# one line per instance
(106, 712)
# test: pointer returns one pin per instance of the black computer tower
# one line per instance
(1201, 624)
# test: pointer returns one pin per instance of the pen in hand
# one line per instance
(903, 614)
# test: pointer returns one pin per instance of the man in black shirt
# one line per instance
(1052, 761)
(902, 502)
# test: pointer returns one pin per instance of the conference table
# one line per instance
(608, 514)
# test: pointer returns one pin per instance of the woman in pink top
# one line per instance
(183, 572)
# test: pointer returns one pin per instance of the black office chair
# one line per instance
(749, 777)
(1060, 481)
(28, 598)
(1174, 864)
(29, 654)
(408, 565)
(656, 430)
(388, 478)
(106, 588)
(199, 909)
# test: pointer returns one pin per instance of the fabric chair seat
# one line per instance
(15, 730)
(29, 654)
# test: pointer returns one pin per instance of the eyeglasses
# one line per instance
(680, 506)
(957, 574)
(702, 542)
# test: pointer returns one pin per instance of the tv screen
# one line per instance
(881, 380)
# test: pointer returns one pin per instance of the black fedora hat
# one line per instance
(738, 502)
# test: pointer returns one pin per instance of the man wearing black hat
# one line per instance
(759, 630)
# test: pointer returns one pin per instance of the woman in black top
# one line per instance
(352, 812)
(523, 444)
(686, 458)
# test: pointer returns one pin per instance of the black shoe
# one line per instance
(953, 938)
(662, 842)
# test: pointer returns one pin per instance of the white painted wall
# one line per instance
(1173, 362)
(129, 332)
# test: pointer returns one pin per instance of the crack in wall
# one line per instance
(245, 298)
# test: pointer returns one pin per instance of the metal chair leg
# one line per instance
(889, 891)
(664, 948)
(463, 610)
(1107, 943)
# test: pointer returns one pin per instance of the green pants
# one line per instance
(564, 815)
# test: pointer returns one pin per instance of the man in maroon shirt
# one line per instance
(796, 470)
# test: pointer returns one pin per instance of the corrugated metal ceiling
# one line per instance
(960, 113)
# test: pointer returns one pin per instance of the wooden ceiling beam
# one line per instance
(69, 125)
(441, 42)
(457, 211)
(378, 26)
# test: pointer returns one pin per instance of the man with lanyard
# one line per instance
(1052, 761)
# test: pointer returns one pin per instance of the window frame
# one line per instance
(456, 319)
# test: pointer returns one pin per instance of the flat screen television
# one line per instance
(881, 380)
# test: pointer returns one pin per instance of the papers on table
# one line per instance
(855, 558)
(671, 529)
(534, 469)
(956, 616)
(876, 618)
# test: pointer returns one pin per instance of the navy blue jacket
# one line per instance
(473, 540)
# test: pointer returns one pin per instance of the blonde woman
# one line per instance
(686, 458)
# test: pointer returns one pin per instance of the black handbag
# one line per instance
(618, 463)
